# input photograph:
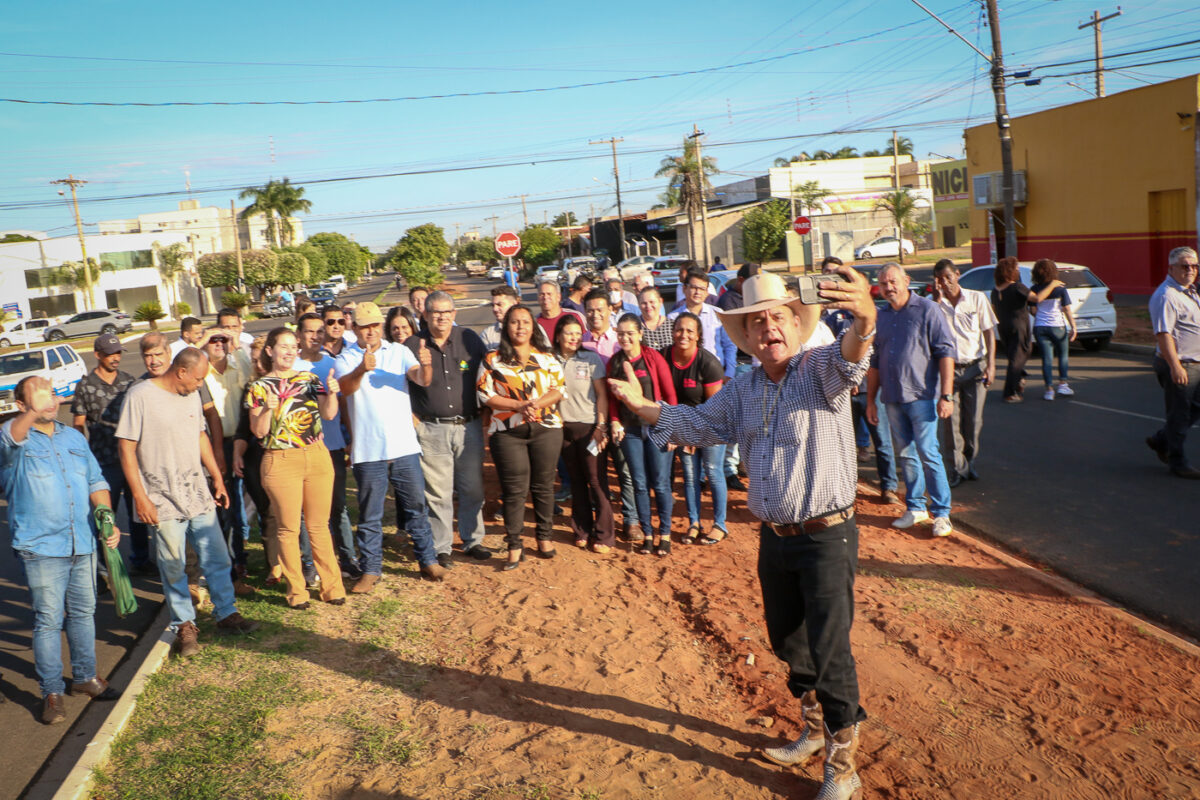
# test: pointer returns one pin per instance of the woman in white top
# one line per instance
(1053, 324)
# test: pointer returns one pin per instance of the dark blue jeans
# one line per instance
(808, 600)
(408, 482)
(1052, 341)
(650, 468)
(1182, 406)
(62, 590)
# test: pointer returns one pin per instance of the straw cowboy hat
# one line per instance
(761, 292)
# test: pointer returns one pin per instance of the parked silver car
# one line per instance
(90, 323)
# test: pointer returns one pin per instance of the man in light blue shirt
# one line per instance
(1175, 314)
(713, 339)
(51, 481)
(913, 356)
(374, 380)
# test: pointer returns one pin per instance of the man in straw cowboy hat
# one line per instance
(791, 418)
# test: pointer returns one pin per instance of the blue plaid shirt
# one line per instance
(47, 481)
(796, 437)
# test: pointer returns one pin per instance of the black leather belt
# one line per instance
(968, 364)
(449, 420)
(812, 525)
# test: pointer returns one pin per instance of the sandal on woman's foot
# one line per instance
(581, 543)
(663, 548)
(694, 532)
(601, 549)
(647, 546)
(714, 536)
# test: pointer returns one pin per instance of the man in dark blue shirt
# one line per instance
(913, 356)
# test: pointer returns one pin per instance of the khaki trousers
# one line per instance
(300, 480)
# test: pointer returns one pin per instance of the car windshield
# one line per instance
(16, 363)
(1079, 279)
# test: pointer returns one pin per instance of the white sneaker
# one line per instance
(941, 527)
(910, 518)
(1049, 395)
(1064, 389)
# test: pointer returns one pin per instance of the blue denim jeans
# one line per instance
(57, 585)
(885, 455)
(212, 553)
(408, 482)
(710, 460)
(1052, 341)
(624, 480)
(650, 468)
(915, 428)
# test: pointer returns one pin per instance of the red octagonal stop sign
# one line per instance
(802, 225)
(508, 244)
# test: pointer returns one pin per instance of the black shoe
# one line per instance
(955, 479)
(305, 606)
(511, 565)
(972, 475)
(734, 482)
(311, 579)
(479, 552)
(546, 553)
(1159, 450)
(445, 560)
(1186, 471)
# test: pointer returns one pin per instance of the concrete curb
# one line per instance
(1132, 349)
(979, 540)
(68, 775)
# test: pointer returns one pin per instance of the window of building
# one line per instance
(128, 259)
(43, 278)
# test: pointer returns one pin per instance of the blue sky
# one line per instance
(901, 70)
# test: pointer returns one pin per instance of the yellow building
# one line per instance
(1109, 183)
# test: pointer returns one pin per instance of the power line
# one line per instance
(1118, 55)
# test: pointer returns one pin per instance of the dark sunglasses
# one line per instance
(217, 340)
(332, 322)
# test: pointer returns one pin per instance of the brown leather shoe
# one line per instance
(433, 572)
(187, 640)
(236, 623)
(52, 709)
(97, 689)
(889, 497)
(242, 589)
(365, 584)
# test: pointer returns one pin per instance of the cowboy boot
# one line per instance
(811, 742)
(841, 781)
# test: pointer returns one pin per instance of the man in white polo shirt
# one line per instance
(973, 325)
(373, 378)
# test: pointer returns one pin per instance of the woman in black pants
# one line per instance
(521, 383)
(585, 432)
(1010, 299)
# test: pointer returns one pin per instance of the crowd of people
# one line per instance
(410, 401)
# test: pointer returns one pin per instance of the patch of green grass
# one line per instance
(378, 743)
(376, 614)
(193, 738)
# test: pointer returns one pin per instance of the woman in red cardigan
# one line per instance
(649, 464)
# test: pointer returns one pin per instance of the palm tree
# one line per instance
(845, 152)
(808, 194)
(801, 156)
(902, 206)
(822, 155)
(277, 201)
(170, 263)
(904, 146)
(674, 168)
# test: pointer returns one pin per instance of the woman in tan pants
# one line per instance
(286, 408)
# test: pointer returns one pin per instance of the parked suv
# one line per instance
(90, 323)
(59, 363)
(30, 331)
(1091, 299)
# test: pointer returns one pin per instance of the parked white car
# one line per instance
(338, 281)
(29, 331)
(1091, 299)
(634, 266)
(59, 363)
(548, 272)
(883, 247)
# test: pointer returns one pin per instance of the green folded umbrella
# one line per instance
(118, 576)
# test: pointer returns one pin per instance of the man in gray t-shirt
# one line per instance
(164, 451)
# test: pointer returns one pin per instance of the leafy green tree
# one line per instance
(479, 250)
(673, 168)
(764, 229)
(235, 300)
(539, 245)
(220, 269)
(564, 220)
(801, 156)
(172, 260)
(11, 238)
(902, 206)
(71, 275)
(808, 194)
(277, 201)
(419, 254)
(342, 257)
(291, 267)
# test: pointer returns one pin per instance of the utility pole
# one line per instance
(524, 213)
(695, 137)
(73, 182)
(896, 188)
(1095, 26)
(617, 178)
(493, 218)
(237, 248)
(1003, 124)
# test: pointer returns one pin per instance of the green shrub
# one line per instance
(181, 310)
(149, 311)
(235, 300)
